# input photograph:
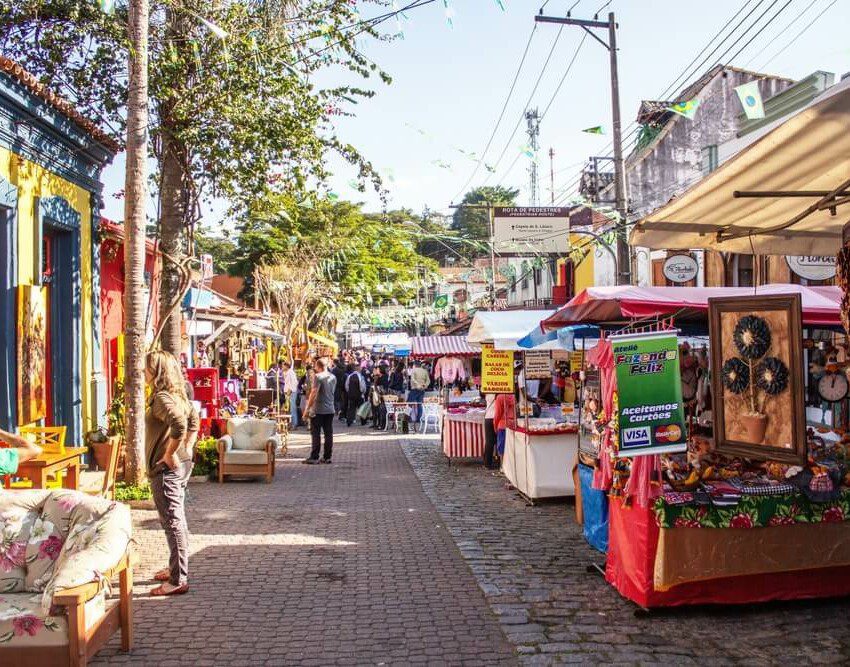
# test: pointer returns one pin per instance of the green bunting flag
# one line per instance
(594, 130)
(687, 109)
(450, 14)
(441, 301)
(196, 52)
(107, 6)
(500, 4)
(750, 98)
(526, 150)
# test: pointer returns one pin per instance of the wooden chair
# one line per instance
(51, 439)
(102, 482)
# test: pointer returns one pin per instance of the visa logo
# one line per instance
(636, 437)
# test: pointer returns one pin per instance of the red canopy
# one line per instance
(441, 346)
(622, 303)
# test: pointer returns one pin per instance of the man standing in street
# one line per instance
(320, 408)
(419, 381)
(290, 391)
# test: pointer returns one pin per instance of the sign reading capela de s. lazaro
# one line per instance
(649, 388)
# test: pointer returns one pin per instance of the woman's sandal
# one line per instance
(159, 591)
(163, 575)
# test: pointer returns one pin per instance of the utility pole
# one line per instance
(135, 294)
(533, 120)
(623, 252)
(552, 176)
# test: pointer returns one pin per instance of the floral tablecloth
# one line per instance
(754, 512)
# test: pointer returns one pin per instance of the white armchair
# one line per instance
(248, 449)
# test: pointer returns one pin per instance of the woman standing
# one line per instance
(171, 424)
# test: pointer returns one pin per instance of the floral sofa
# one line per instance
(58, 551)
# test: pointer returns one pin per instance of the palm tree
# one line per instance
(135, 294)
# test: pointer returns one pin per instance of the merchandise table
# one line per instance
(463, 434)
(662, 567)
(539, 463)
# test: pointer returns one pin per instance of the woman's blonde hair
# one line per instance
(167, 375)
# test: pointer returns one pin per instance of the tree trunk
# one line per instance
(172, 220)
(135, 293)
(843, 266)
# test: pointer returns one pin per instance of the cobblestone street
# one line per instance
(352, 564)
(531, 564)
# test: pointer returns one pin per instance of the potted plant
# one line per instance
(206, 460)
(754, 375)
(101, 443)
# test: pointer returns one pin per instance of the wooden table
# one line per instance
(37, 469)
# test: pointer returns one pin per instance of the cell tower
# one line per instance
(533, 120)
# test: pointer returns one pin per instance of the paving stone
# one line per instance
(348, 564)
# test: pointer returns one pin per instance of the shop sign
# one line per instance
(576, 359)
(650, 410)
(531, 230)
(680, 268)
(538, 365)
(812, 267)
(497, 370)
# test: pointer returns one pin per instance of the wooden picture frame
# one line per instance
(766, 420)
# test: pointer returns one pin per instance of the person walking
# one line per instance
(355, 389)
(290, 392)
(171, 429)
(320, 408)
(419, 382)
(339, 395)
(396, 381)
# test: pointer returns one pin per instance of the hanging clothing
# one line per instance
(450, 369)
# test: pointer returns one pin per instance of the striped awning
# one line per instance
(440, 346)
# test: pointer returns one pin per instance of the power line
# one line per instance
(530, 97)
(563, 78)
(783, 31)
(761, 30)
(501, 114)
(799, 34)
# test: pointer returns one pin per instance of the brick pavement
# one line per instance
(344, 564)
(530, 563)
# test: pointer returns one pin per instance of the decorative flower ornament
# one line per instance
(772, 376)
(736, 375)
(752, 337)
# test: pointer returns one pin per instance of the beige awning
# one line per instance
(809, 153)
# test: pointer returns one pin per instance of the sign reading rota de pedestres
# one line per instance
(531, 230)
(497, 370)
(649, 389)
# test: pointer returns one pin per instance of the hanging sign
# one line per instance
(812, 267)
(538, 365)
(650, 410)
(206, 267)
(680, 268)
(576, 359)
(531, 230)
(497, 370)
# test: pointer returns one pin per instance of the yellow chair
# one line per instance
(52, 440)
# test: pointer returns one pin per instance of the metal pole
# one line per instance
(491, 216)
(623, 254)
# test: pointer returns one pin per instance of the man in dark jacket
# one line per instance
(339, 395)
(355, 389)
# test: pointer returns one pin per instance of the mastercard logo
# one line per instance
(668, 433)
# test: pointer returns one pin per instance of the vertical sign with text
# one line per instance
(497, 370)
(649, 387)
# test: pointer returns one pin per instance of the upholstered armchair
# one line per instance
(248, 449)
(58, 551)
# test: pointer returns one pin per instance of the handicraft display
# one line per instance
(757, 348)
(32, 353)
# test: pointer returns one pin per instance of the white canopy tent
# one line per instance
(504, 328)
(782, 195)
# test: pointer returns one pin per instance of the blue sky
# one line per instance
(449, 85)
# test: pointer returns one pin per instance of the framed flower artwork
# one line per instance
(757, 377)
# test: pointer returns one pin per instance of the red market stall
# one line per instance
(733, 529)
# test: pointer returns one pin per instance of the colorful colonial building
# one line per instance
(51, 157)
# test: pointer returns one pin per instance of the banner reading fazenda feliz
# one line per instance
(649, 389)
(497, 370)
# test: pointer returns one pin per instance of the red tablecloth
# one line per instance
(463, 439)
(633, 541)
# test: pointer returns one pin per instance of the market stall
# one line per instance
(462, 429)
(743, 515)
(539, 450)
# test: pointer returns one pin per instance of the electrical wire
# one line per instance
(762, 29)
(527, 104)
(798, 35)
(501, 114)
(783, 31)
